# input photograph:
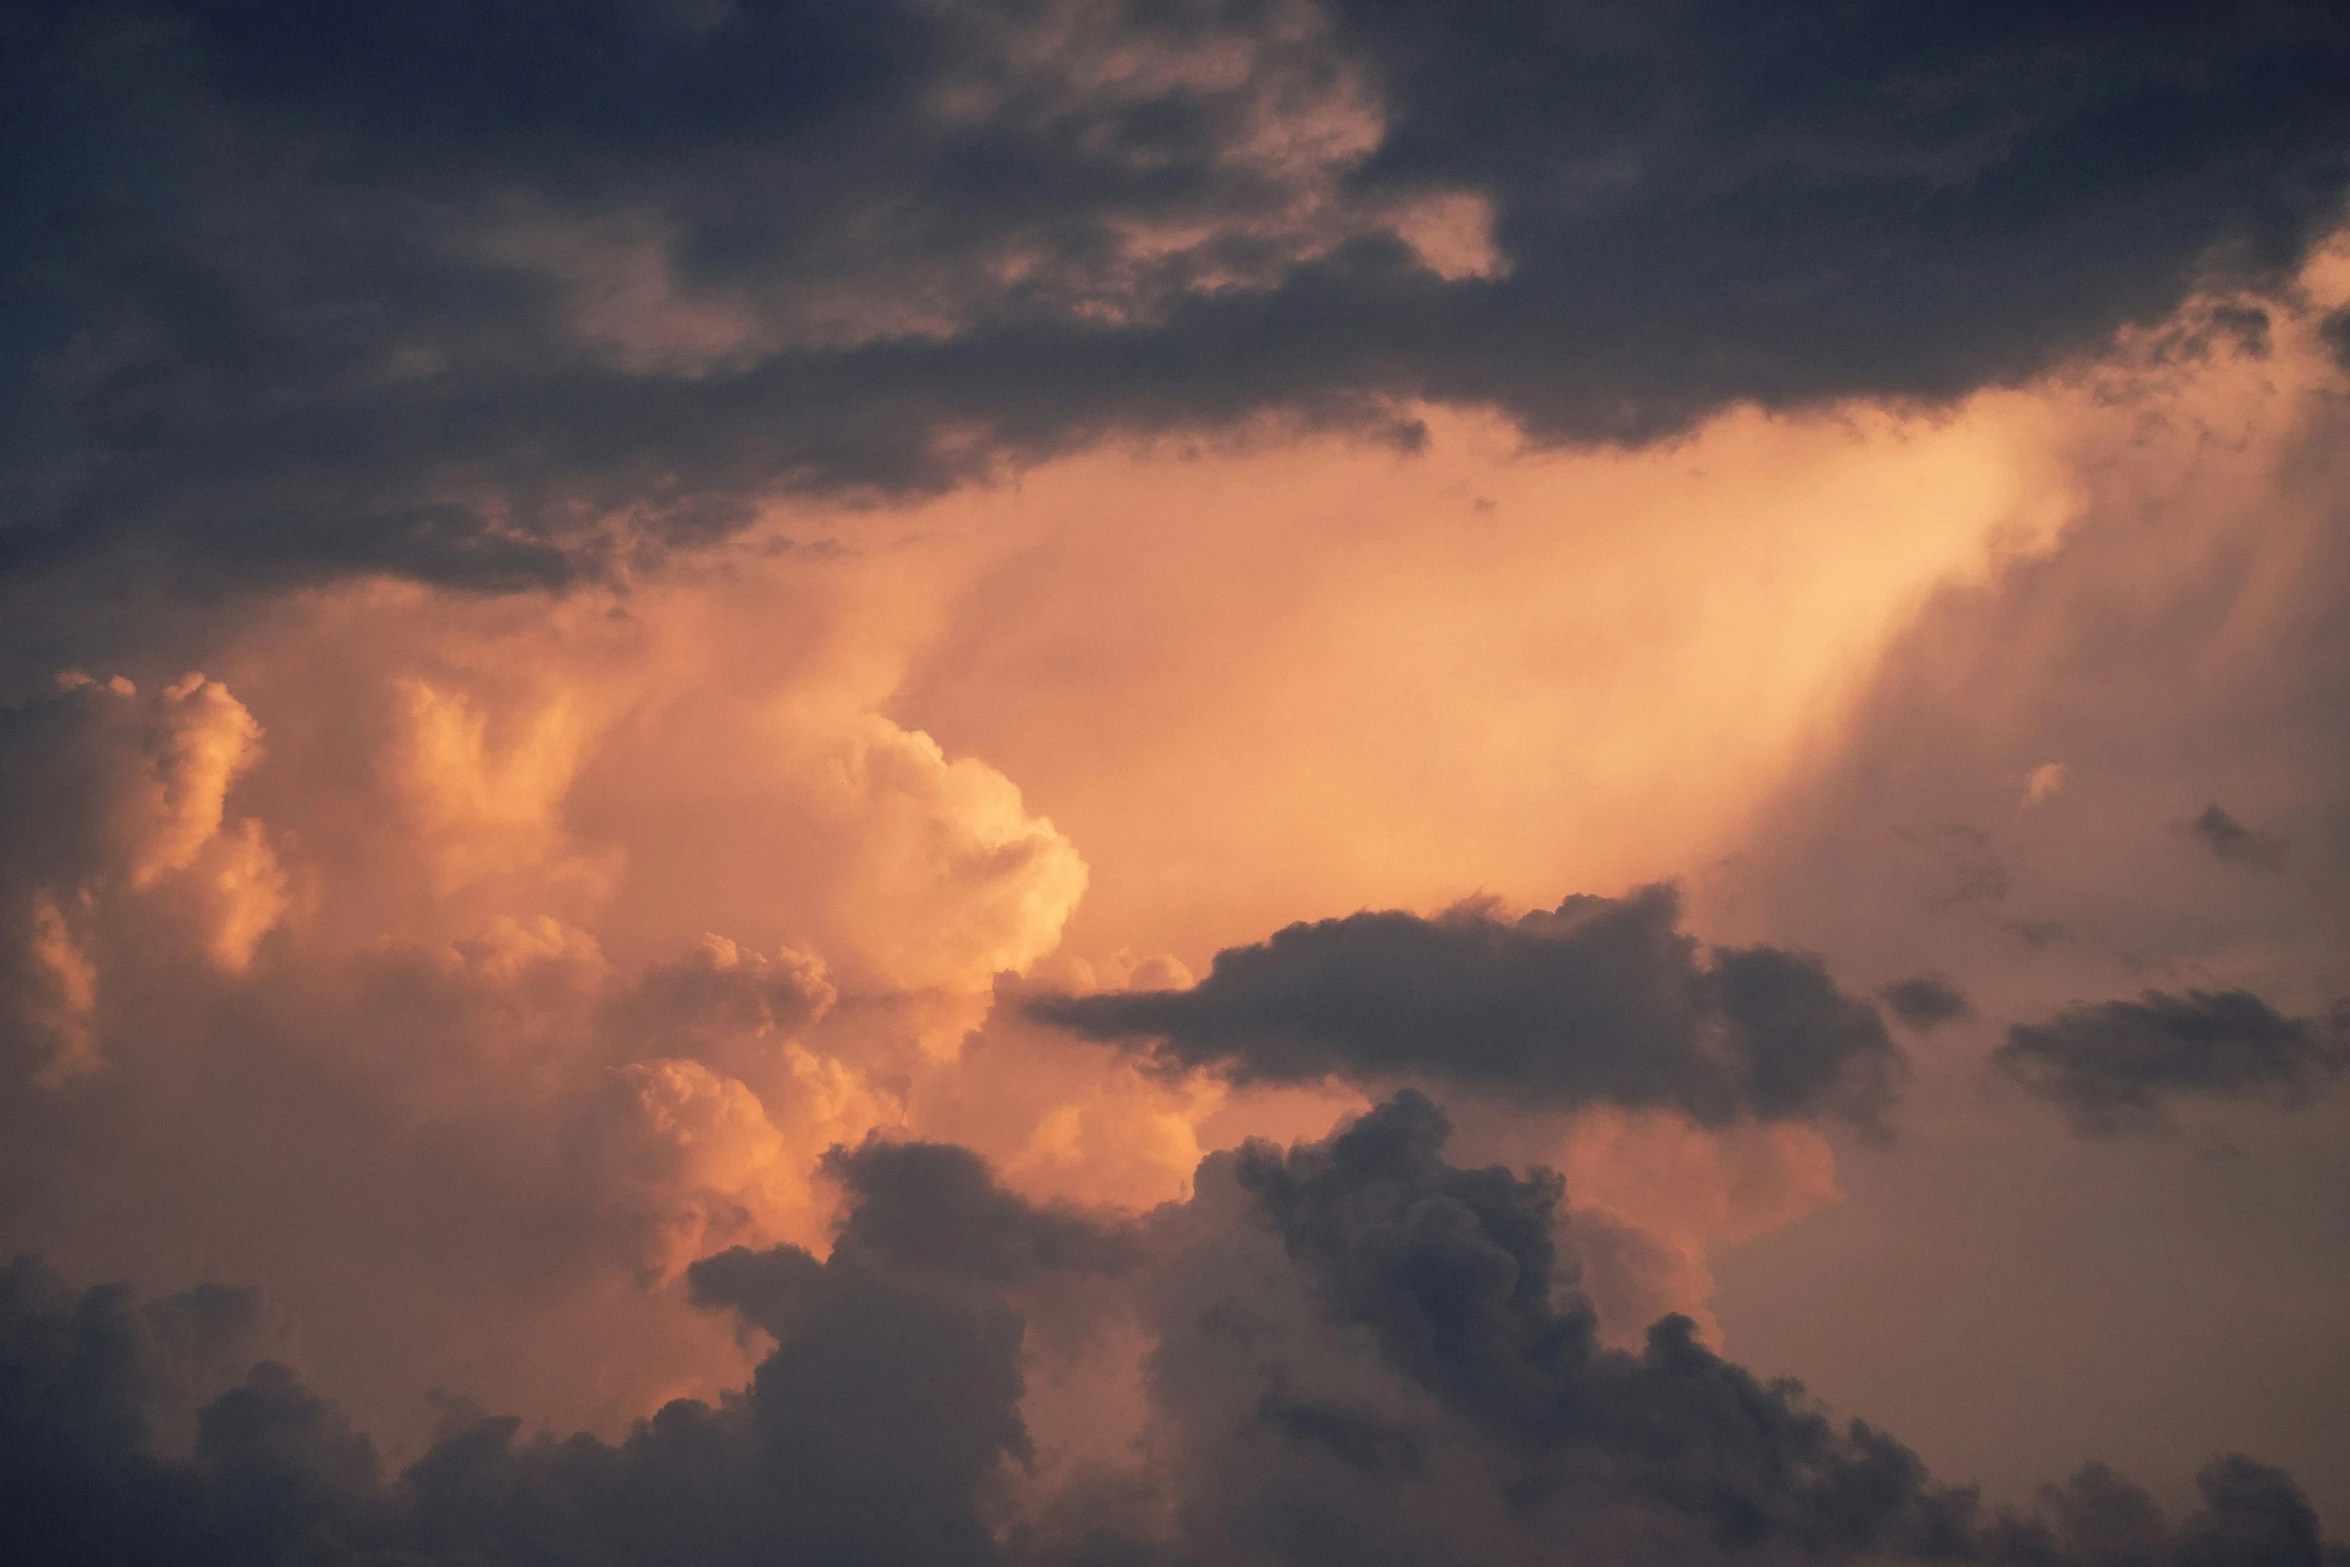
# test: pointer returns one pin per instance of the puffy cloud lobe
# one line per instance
(1598, 1001)
(118, 811)
(935, 1207)
(115, 790)
(2118, 1066)
(2253, 1513)
(721, 986)
(699, 1158)
(731, 1010)
(57, 995)
(501, 305)
(893, 1394)
(1455, 1273)
(951, 839)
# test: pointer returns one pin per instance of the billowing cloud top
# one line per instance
(1366, 1353)
(670, 671)
(510, 294)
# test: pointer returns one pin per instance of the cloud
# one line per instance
(1655, 1196)
(1453, 1272)
(2334, 331)
(1359, 1346)
(2119, 1066)
(118, 821)
(2045, 783)
(2230, 839)
(486, 1074)
(313, 295)
(459, 971)
(1600, 1001)
(118, 791)
(873, 1431)
(2169, 642)
(934, 1207)
(1926, 1001)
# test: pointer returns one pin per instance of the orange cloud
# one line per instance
(600, 919)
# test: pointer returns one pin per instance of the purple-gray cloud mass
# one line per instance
(877, 1427)
(509, 294)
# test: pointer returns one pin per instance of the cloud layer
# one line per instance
(514, 301)
(644, 644)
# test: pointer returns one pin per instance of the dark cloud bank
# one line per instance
(1600, 999)
(495, 294)
(1364, 1354)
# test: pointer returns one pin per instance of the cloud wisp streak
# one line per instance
(2122, 1066)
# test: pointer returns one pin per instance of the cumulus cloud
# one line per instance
(118, 822)
(465, 970)
(548, 955)
(1454, 1273)
(874, 1430)
(119, 792)
(1358, 1346)
(1654, 1197)
(934, 1206)
(469, 972)
(311, 295)
(1601, 1000)
(2119, 1066)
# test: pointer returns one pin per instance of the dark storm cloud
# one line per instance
(934, 1207)
(880, 1428)
(1669, 1453)
(1926, 1001)
(2117, 1066)
(2230, 839)
(1454, 1271)
(873, 1432)
(499, 294)
(1356, 1437)
(1602, 1000)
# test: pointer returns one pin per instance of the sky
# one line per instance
(1175, 783)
